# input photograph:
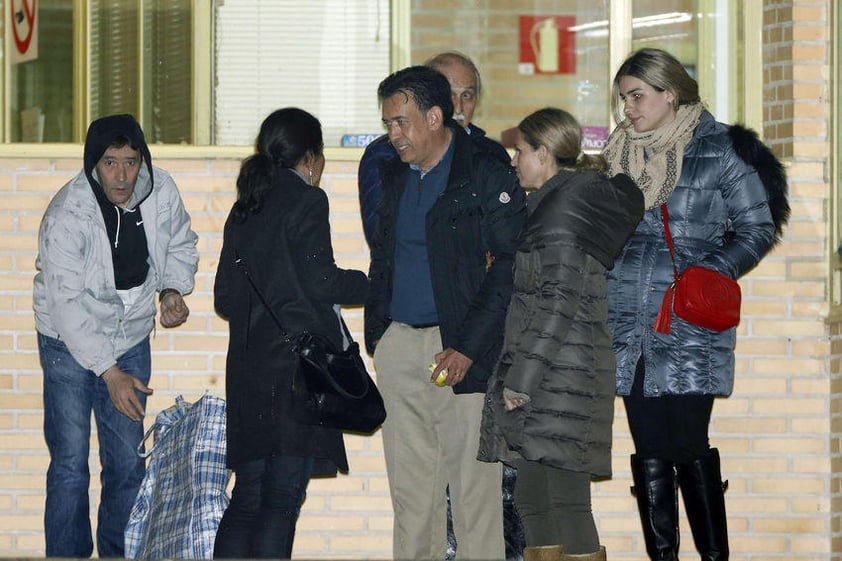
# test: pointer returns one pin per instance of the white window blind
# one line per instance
(324, 56)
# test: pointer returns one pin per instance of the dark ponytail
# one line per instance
(257, 175)
(286, 137)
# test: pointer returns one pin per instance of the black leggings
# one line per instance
(670, 427)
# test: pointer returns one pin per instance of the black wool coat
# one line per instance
(287, 249)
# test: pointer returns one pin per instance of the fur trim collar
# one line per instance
(752, 151)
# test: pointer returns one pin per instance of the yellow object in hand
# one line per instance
(441, 379)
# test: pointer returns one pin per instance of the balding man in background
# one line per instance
(465, 86)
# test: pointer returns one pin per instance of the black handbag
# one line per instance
(331, 387)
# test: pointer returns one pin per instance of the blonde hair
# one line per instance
(660, 70)
(560, 132)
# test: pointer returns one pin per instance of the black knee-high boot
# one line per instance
(657, 501)
(704, 500)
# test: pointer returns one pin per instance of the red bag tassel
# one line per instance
(664, 320)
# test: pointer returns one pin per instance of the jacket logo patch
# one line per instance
(504, 197)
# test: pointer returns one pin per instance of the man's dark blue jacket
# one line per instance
(472, 234)
(380, 151)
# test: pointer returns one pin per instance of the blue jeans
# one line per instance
(259, 522)
(71, 392)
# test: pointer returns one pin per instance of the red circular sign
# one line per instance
(26, 13)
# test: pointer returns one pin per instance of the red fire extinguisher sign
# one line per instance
(547, 45)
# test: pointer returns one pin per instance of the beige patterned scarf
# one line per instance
(653, 159)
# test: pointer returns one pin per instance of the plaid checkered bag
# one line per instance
(182, 497)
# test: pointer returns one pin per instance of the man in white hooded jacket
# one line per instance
(111, 238)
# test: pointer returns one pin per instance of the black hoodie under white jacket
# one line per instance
(75, 294)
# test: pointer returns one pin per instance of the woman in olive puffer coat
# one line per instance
(550, 401)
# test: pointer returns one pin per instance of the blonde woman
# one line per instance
(549, 405)
(724, 194)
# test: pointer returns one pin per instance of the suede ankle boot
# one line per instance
(543, 553)
(595, 556)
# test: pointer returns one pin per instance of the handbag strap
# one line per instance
(668, 234)
(241, 264)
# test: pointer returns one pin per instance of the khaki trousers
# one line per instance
(430, 440)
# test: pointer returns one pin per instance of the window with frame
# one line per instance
(324, 56)
(194, 72)
(207, 73)
(504, 40)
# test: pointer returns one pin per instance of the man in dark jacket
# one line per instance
(441, 280)
(464, 79)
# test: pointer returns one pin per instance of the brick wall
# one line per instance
(796, 91)
(347, 516)
(779, 433)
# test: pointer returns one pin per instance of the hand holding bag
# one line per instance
(332, 387)
(699, 296)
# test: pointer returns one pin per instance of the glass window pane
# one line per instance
(324, 56)
(670, 26)
(41, 90)
(114, 54)
(704, 35)
(167, 71)
(143, 67)
(530, 55)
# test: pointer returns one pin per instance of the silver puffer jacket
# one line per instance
(720, 219)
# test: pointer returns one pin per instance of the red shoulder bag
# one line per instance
(699, 296)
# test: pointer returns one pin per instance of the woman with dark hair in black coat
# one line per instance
(278, 230)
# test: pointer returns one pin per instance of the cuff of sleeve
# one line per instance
(512, 394)
(166, 291)
(102, 369)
